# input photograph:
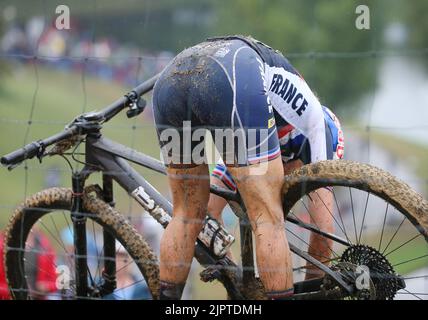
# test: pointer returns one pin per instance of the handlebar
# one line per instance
(36, 148)
(17, 156)
(117, 106)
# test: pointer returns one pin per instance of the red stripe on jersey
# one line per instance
(285, 130)
(224, 178)
(228, 183)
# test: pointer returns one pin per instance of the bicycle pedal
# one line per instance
(210, 274)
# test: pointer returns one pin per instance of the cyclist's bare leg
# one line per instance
(190, 192)
(262, 197)
(216, 204)
(320, 209)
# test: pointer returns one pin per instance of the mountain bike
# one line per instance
(379, 245)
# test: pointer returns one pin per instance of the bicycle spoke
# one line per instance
(92, 279)
(411, 293)
(306, 267)
(57, 230)
(341, 219)
(309, 246)
(325, 240)
(415, 277)
(96, 251)
(32, 249)
(125, 266)
(38, 267)
(353, 216)
(43, 270)
(402, 245)
(100, 256)
(130, 285)
(330, 213)
(114, 293)
(67, 253)
(410, 260)
(364, 217)
(71, 233)
(393, 236)
(68, 224)
(117, 249)
(55, 238)
(383, 226)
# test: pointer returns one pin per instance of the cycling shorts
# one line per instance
(217, 86)
(294, 146)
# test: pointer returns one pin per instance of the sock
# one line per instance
(280, 295)
(170, 291)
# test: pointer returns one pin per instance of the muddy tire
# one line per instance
(361, 176)
(43, 202)
(396, 213)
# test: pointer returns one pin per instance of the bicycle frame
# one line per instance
(111, 159)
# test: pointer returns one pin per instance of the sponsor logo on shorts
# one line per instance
(236, 146)
(222, 52)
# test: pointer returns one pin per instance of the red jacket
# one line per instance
(46, 276)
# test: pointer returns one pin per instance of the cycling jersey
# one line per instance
(290, 95)
(294, 145)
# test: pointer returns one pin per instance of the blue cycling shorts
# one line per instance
(217, 86)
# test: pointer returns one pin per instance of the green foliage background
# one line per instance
(416, 21)
(308, 27)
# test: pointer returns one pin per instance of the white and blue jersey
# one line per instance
(294, 145)
(305, 129)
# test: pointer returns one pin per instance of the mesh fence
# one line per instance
(45, 88)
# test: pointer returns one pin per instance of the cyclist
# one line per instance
(295, 152)
(236, 87)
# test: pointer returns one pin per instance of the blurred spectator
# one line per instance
(34, 29)
(93, 249)
(129, 285)
(14, 41)
(52, 43)
(53, 177)
(77, 51)
(40, 267)
(151, 231)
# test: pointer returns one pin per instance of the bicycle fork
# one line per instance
(78, 217)
(79, 235)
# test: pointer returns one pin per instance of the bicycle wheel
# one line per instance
(380, 225)
(47, 212)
